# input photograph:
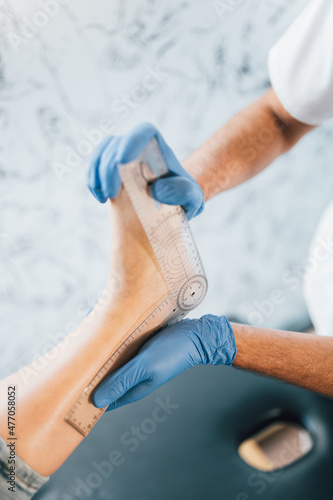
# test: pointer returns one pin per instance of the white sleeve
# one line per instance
(301, 64)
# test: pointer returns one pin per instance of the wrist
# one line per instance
(217, 340)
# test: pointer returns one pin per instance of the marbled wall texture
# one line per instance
(71, 72)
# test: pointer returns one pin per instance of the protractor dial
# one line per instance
(192, 292)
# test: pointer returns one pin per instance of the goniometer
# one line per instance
(171, 238)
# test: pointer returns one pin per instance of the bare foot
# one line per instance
(136, 286)
(136, 282)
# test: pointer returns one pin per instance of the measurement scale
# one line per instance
(171, 238)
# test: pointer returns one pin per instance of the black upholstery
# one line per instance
(193, 453)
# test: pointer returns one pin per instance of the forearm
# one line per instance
(244, 146)
(302, 359)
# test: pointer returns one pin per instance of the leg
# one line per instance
(135, 287)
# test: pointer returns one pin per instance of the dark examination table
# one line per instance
(186, 444)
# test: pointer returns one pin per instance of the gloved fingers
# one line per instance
(214, 338)
(177, 190)
(138, 392)
(103, 178)
(119, 383)
(108, 171)
(132, 144)
(170, 158)
(127, 149)
(104, 181)
(92, 173)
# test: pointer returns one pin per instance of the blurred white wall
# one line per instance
(67, 67)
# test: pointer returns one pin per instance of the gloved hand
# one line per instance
(171, 351)
(104, 181)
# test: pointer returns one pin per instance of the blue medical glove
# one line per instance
(171, 351)
(103, 179)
